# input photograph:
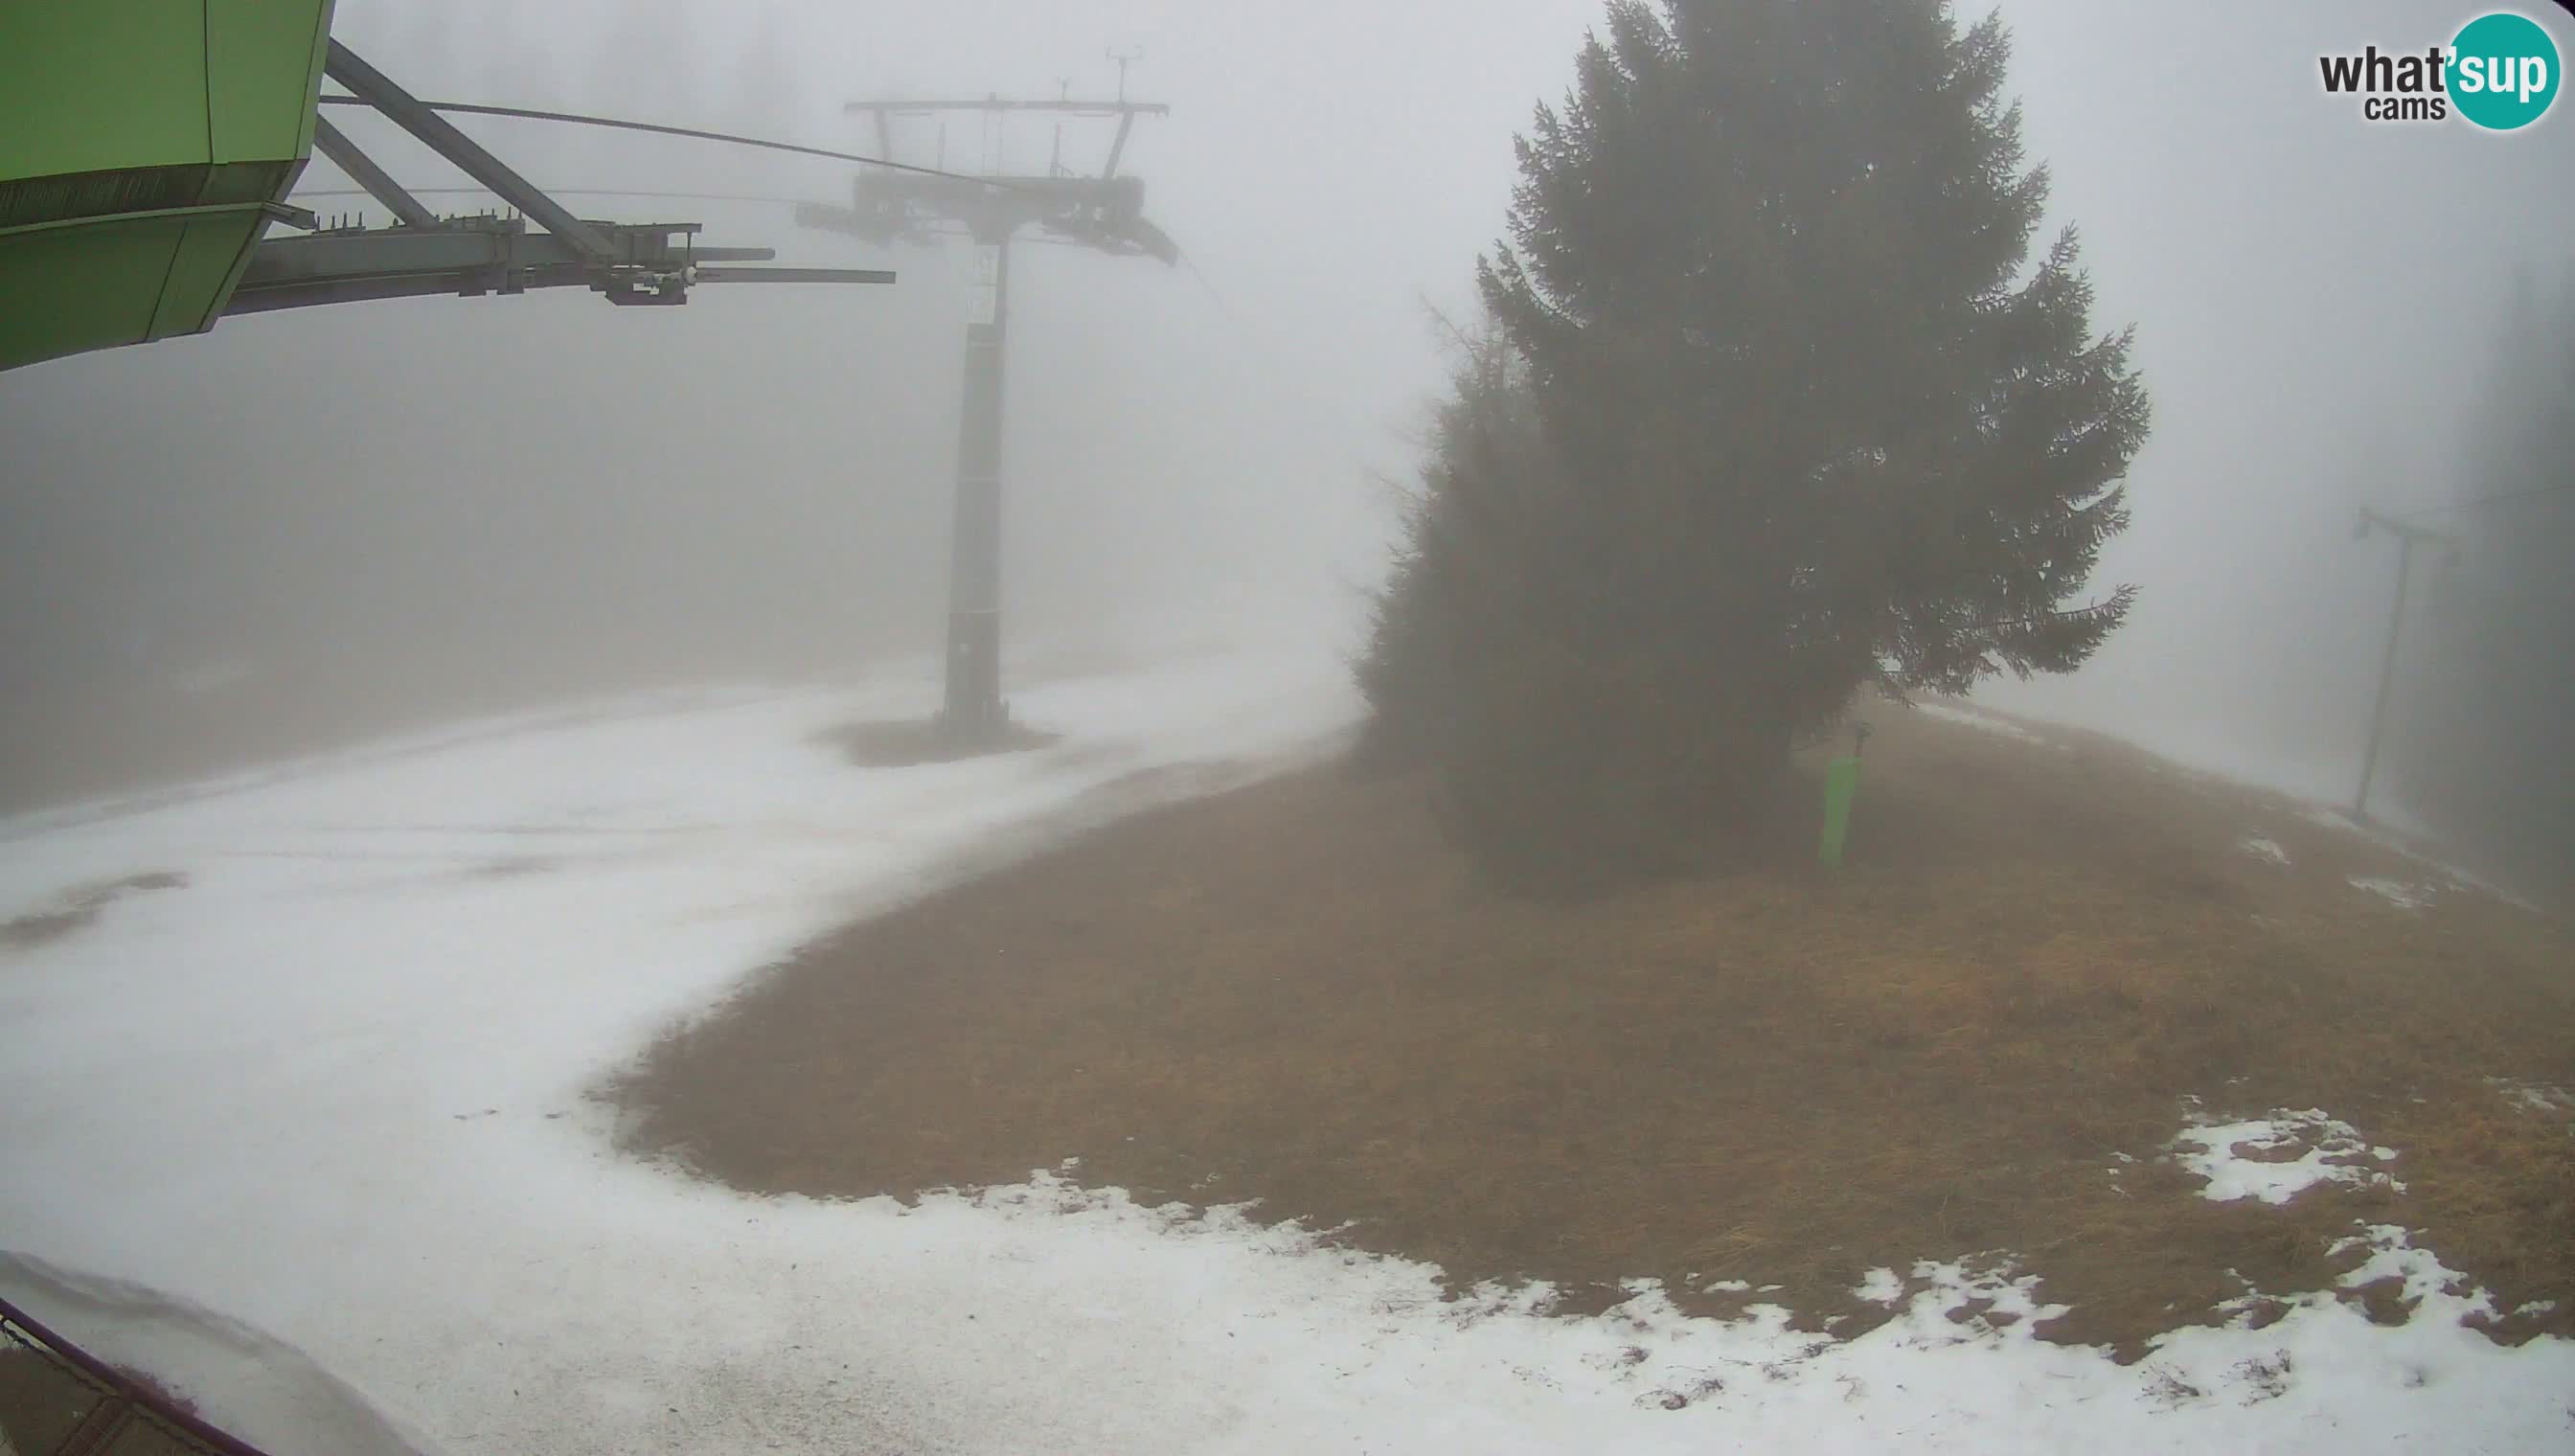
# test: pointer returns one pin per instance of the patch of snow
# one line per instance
(2420, 1272)
(2409, 845)
(1880, 1286)
(2329, 817)
(1949, 1288)
(2192, 749)
(336, 1089)
(2397, 892)
(1977, 718)
(2461, 879)
(2537, 1097)
(2264, 850)
(2333, 1153)
(2219, 752)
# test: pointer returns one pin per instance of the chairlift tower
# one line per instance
(2408, 537)
(1103, 212)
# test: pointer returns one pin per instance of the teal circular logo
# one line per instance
(2502, 71)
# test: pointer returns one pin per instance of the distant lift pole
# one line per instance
(1104, 212)
(2408, 537)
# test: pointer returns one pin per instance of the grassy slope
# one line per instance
(1296, 993)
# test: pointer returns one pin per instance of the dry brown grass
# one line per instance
(1296, 993)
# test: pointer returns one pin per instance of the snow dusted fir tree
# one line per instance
(1786, 411)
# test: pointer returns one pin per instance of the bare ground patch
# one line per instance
(1978, 1040)
(80, 908)
(904, 743)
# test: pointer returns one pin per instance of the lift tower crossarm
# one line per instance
(380, 91)
(477, 255)
(629, 262)
(1125, 110)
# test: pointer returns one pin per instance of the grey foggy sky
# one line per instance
(454, 503)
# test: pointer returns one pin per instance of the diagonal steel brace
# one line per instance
(362, 169)
(441, 136)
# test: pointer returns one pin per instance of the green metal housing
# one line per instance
(145, 146)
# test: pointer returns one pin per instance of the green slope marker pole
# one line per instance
(1841, 786)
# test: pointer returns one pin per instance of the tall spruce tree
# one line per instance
(1800, 416)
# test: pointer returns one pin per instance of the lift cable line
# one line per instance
(574, 118)
(1207, 286)
(1105, 213)
(2489, 501)
(566, 192)
(1255, 344)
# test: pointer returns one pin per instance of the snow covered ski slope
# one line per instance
(323, 1067)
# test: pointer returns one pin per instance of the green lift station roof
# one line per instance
(145, 145)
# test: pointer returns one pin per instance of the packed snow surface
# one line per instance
(330, 1094)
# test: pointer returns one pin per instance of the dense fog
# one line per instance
(316, 525)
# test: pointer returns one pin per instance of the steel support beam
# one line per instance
(974, 711)
(350, 253)
(794, 274)
(1117, 148)
(2408, 537)
(361, 170)
(312, 293)
(491, 255)
(441, 136)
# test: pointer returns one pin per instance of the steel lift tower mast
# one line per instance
(2408, 537)
(1105, 212)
